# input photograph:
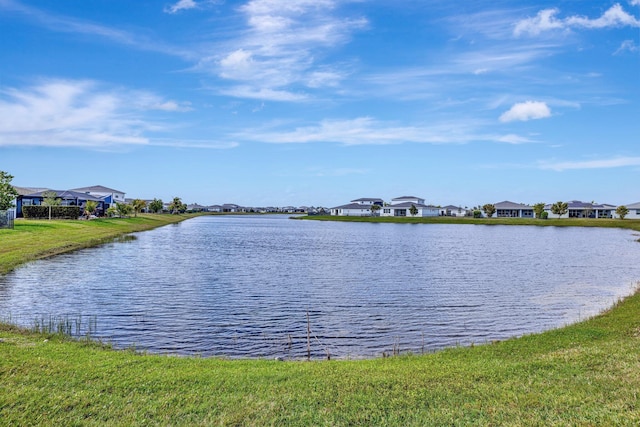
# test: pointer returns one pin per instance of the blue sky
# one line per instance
(318, 102)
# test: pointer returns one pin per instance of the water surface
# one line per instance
(242, 286)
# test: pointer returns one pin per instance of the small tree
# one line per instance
(90, 208)
(374, 209)
(7, 192)
(156, 206)
(622, 211)
(50, 198)
(413, 210)
(559, 208)
(489, 209)
(538, 209)
(477, 213)
(138, 205)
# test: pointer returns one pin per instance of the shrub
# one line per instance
(57, 212)
(544, 215)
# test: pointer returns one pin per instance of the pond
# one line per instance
(253, 286)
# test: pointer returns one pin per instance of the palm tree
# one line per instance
(622, 211)
(156, 206)
(90, 208)
(559, 208)
(489, 209)
(413, 210)
(176, 205)
(374, 209)
(138, 205)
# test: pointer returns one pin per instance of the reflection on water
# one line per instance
(242, 286)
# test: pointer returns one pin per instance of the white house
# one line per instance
(451, 210)
(634, 211)
(357, 207)
(401, 206)
(109, 195)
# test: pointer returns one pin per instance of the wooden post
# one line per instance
(308, 337)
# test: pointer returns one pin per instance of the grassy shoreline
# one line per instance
(632, 224)
(582, 374)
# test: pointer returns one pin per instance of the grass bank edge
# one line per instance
(31, 240)
(632, 224)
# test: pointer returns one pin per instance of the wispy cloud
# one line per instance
(279, 48)
(67, 24)
(181, 5)
(627, 46)
(546, 20)
(368, 131)
(78, 113)
(524, 111)
(617, 162)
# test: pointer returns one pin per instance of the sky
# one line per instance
(319, 102)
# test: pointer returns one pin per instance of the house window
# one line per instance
(637, 211)
(400, 212)
(389, 210)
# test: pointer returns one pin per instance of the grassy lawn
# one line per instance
(585, 374)
(633, 224)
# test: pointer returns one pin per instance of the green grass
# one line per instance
(633, 224)
(585, 374)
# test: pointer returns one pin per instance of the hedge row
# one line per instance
(57, 212)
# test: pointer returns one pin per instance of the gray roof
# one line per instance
(409, 204)
(633, 206)
(67, 195)
(511, 205)
(577, 204)
(23, 191)
(352, 206)
(367, 199)
(450, 207)
(407, 198)
(97, 189)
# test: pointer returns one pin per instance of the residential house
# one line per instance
(67, 198)
(578, 209)
(401, 206)
(451, 210)
(230, 207)
(634, 211)
(357, 207)
(508, 209)
(108, 195)
(23, 191)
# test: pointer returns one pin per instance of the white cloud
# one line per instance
(627, 45)
(634, 2)
(263, 94)
(77, 113)
(181, 5)
(367, 131)
(546, 20)
(617, 162)
(514, 139)
(524, 111)
(280, 45)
